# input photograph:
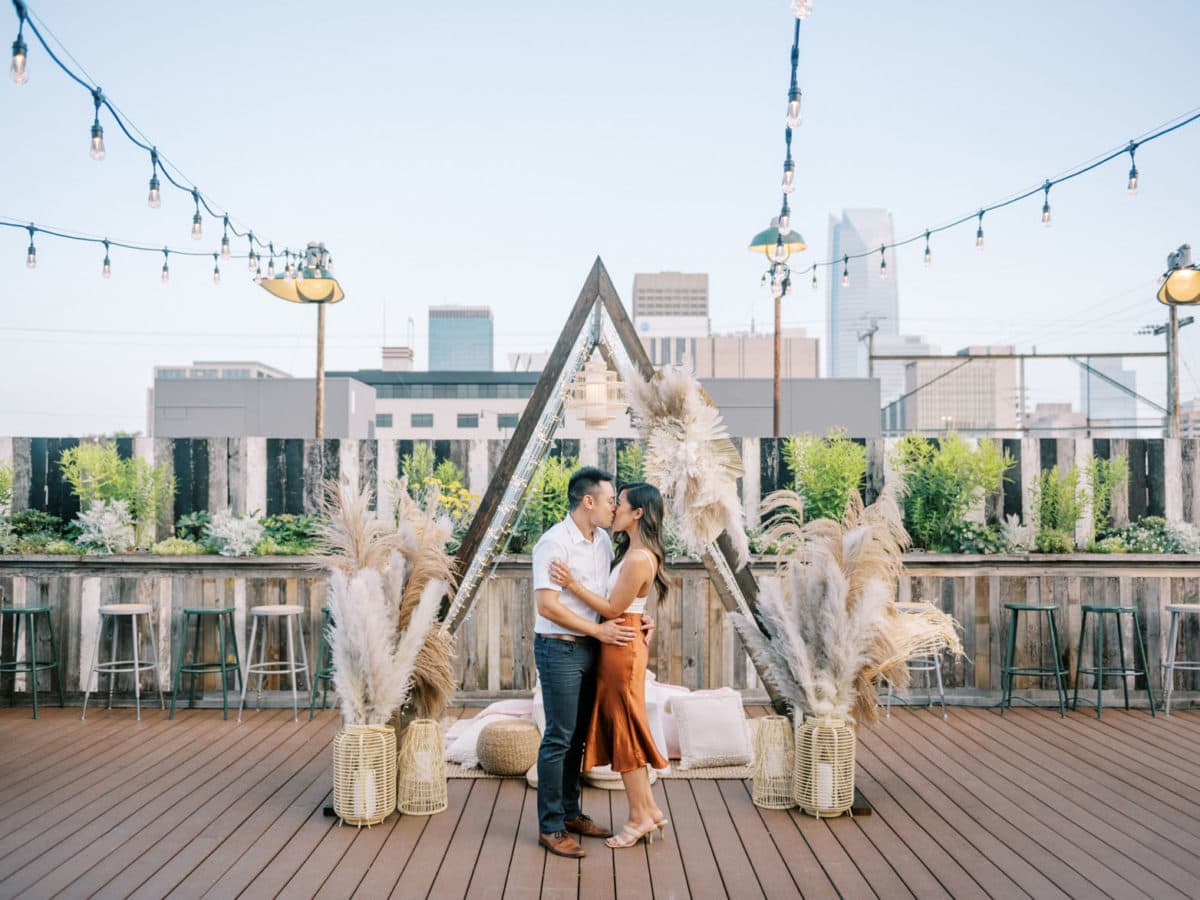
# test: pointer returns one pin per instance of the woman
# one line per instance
(620, 735)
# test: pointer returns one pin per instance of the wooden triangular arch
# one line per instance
(737, 589)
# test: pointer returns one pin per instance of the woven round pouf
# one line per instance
(508, 748)
(421, 770)
(364, 773)
(824, 773)
(774, 761)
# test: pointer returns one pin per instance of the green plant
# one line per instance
(1110, 545)
(97, 472)
(940, 484)
(62, 548)
(177, 546)
(106, 526)
(418, 466)
(1017, 538)
(234, 535)
(545, 501)
(1107, 477)
(827, 472)
(192, 525)
(631, 464)
(1150, 535)
(1058, 503)
(269, 546)
(296, 534)
(6, 483)
(34, 521)
(976, 537)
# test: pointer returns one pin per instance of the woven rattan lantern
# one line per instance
(824, 773)
(508, 748)
(421, 770)
(364, 773)
(774, 763)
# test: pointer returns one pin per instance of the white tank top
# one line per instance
(638, 606)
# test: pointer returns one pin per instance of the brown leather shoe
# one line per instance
(562, 844)
(584, 825)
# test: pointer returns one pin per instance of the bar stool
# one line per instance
(113, 613)
(1099, 670)
(925, 664)
(287, 614)
(30, 665)
(1009, 668)
(1172, 663)
(222, 620)
(324, 674)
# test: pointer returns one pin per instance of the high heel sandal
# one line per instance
(631, 837)
(662, 825)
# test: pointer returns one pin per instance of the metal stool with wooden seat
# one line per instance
(112, 613)
(222, 619)
(1009, 669)
(30, 665)
(324, 673)
(1099, 670)
(923, 664)
(1171, 662)
(287, 614)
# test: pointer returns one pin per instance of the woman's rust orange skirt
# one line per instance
(620, 733)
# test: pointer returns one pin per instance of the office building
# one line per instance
(1106, 395)
(866, 296)
(747, 355)
(968, 395)
(670, 311)
(460, 339)
(891, 372)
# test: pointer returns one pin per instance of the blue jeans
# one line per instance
(568, 695)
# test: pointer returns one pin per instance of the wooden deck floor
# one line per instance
(979, 805)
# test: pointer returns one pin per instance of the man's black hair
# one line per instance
(583, 482)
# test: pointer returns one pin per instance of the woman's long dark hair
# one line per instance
(646, 497)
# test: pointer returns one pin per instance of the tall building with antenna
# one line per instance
(851, 302)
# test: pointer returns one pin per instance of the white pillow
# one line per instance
(660, 717)
(461, 742)
(606, 779)
(713, 730)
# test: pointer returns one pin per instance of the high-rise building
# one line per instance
(865, 295)
(460, 339)
(1105, 405)
(971, 395)
(670, 311)
(891, 372)
(746, 355)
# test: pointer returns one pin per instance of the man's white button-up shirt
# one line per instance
(588, 560)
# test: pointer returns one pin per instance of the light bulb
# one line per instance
(97, 150)
(216, 270)
(225, 247)
(793, 107)
(166, 274)
(197, 227)
(814, 280)
(845, 272)
(785, 218)
(106, 268)
(20, 54)
(31, 256)
(257, 275)
(1046, 212)
(883, 268)
(271, 267)
(979, 237)
(928, 253)
(789, 176)
(1132, 187)
(253, 258)
(155, 198)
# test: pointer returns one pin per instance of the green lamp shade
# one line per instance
(764, 241)
(1180, 286)
(304, 290)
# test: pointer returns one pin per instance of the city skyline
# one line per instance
(488, 141)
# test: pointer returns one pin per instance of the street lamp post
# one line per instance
(1180, 286)
(311, 283)
(778, 246)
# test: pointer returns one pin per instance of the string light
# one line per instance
(197, 223)
(155, 197)
(814, 278)
(928, 253)
(979, 233)
(1132, 185)
(271, 262)
(106, 267)
(225, 240)
(166, 272)
(97, 148)
(20, 53)
(789, 174)
(785, 217)
(1046, 204)
(216, 270)
(845, 271)
(882, 262)
(31, 253)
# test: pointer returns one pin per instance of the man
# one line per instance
(566, 631)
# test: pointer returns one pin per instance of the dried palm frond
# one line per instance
(349, 534)
(832, 627)
(690, 457)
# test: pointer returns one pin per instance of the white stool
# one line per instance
(1171, 664)
(113, 612)
(924, 664)
(288, 666)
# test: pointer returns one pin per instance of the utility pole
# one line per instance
(869, 337)
(1171, 330)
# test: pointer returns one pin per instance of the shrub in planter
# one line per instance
(1055, 540)
(1154, 534)
(940, 483)
(1017, 538)
(1109, 545)
(827, 472)
(106, 526)
(976, 537)
(1106, 477)
(177, 546)
(192, 525)
(234, 535)
(292, 535)
(1058, 504)
(34, 521)
(97, 472)
(631, 464)
(545, 502)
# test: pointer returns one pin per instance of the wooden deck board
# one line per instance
(976, 806)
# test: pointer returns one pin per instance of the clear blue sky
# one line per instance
(486, 153)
